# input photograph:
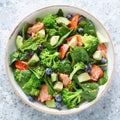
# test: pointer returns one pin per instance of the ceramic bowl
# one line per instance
(31, 18)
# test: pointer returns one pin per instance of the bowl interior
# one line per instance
(31, 18)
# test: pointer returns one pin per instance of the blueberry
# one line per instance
(81, 19)
(30, 98)
(103, 60)
(80, 30)
(88, 68)
(30, 54)
(40, 47)
(48, 71)
(69, 16)
(20, 33)
(27, 36)
(58, 104)
(58, 98)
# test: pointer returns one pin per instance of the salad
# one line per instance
(60, 60)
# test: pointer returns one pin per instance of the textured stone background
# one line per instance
(11, 13)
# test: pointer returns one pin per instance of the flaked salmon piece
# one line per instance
(103, 48)
(63, 50)
(96, 73)
(35, 28)
(65, 79)
(44, 96)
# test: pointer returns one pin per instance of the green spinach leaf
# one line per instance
(104, 79)
(63, 30)
(89, 28)
(90, 90)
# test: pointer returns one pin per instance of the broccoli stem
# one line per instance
(73, 72)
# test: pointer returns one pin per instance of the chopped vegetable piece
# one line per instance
(83, 77)
(58, 86)
(50, 103)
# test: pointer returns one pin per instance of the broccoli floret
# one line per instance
(50, 59)
(90, 43)
(22, 76)
(32, 86)
(77, 66)
(49, 20)
(71, 99)
(38, 71)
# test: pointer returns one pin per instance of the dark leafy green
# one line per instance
(83, 22)
(39, 19)
(89, 28)
(79, 54)
(60, 13)
(63, 30)
(65, 67)
(104, 79)
(90, 90)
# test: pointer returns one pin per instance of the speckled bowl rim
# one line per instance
(64, 112)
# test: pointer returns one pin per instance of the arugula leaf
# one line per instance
(13, 57)
(18, 55)
(104, 79)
